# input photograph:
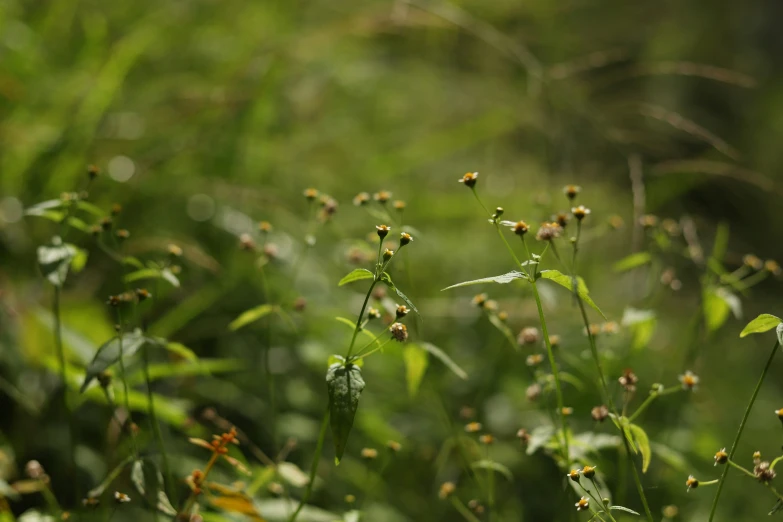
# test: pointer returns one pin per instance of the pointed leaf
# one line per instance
(357, 274)
(493, 466)
(625, 509)
(761, 324)
(386, 278)
(339, 359)
(148, 481)
(108, 354)
(632, 261)
(567, 282)
(181, 350)
(643, 444)
(39, 208)
(345, 385)
(501, 279)
(363, 331)
(251, 316)
(55, 259)
(445, 359)
(416, 362)
(167, 275)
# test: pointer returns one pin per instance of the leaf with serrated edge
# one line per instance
(567, 282)
(386, 278)
(760, 324)
(345, 385)
(625, 509)
(501, 279)
(357, 274)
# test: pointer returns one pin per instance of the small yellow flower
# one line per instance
(382, 196)
(469, 179)
(486, 439)
(583, 504)
(362, 198)
(265, 227)
(399, 205)
(383, 230)
(473, 427)
(405, 238)
(521, 228)
(446, 490)
(369, 453)
(689, 380)
(588, 471)
(574, 475)
(121, 498)
(721, 457)
(311, 194)
(692, 483)
(402, 311)
(580, 212)
(571, 191)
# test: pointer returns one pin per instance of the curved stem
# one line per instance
(313, 468)
(742, 428)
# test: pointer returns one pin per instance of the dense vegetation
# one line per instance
(243, 274)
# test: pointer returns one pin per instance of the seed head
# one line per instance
(521, 228)
(523, 436)
(473, 427)
(689, 380)
(548, 231)
(529, 335)
(388, 254)
(92, 172)
(561, 218)
(583, 504)
(534, 359)
(34, 470)
(753, 261)
(405, 238)
(362, 198)
(599, 413)
(588, 471)
(121, 498)
(580, 212)
(446, 490)
(480, 300)
(721, 457)
(369, 453)
(628, 380)
(469, 179)
(648, 221)
(486, 439)
(533, 392)
(399, 205)
(383, 230)
(399, 332)
(692, 483)
(574, 475)
(246, 243)
(382, 196)
(571, 191)
(265, 227)
(763, 472)
(402, 311)
(329, 207)
(106, 223)
(311, 194)
(300, 304)
(772, 267)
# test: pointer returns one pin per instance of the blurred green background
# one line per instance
(206, 117)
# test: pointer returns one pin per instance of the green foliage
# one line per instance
(250, 316)
(345, 385)
(568, 282)
(357, 274)
(639, 438)
(148, 481)
(760, 324)
(55, 259)
(386, 279)
(416, 362)
(491, 465)
(109, 353)
(501, 279)
(632, 261)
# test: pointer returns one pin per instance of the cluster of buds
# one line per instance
(576, 474)
(628, 380)
(219, 448)
(599, 413)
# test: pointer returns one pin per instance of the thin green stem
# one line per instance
(270, 379)
(741, 468)
(58, 342)
(651, 398)
(775, 462)
(463, 510)
(597, 501)
(638, 481)
(129, 420)
(742, 428)
(361, 355)
(313, 468)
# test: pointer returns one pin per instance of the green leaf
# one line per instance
(716, 304)
(761, 324)
(339, 359)
(149, 483)
(293, 474)
(109, 354)
(132, 261)
(202, 367)
(79, 259)
(445, 359)
(89, 207)
(632, 261)
(643, 444)
(152, 273)
(363, 331)
(55, 259)
(181, 350)
(625, 509)
(98, 490)
(251, 316)
(386, 278)
(345, 385)
(567, 282)
(39, 208)
(357, 274)
(501, 279)
(493, 466)
(642, 325)
(779, 332)
(416, 362)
